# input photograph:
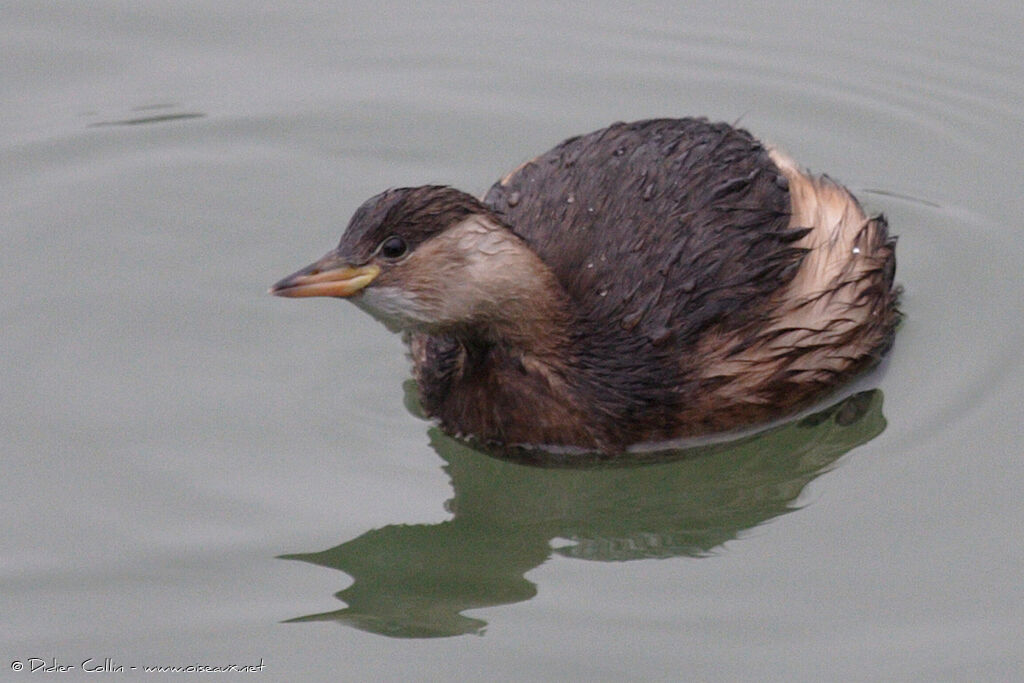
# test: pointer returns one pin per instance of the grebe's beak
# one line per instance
(330, 276)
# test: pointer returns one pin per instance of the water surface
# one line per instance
(197, 473)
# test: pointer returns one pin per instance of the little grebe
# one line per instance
(647, 281)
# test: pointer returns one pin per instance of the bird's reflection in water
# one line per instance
(414, 581)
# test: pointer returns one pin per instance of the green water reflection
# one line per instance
(415, 580)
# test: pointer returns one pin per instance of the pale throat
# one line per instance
(519, 302)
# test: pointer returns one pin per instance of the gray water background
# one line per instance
(169, 433)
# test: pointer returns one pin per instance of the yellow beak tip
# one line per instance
(337, 281)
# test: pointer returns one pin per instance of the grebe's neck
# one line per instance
(499, 293)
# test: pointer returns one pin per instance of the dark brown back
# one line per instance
(661, 228)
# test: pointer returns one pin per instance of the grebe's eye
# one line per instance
(393, 247)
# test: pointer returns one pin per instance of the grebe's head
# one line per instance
(427, 258)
